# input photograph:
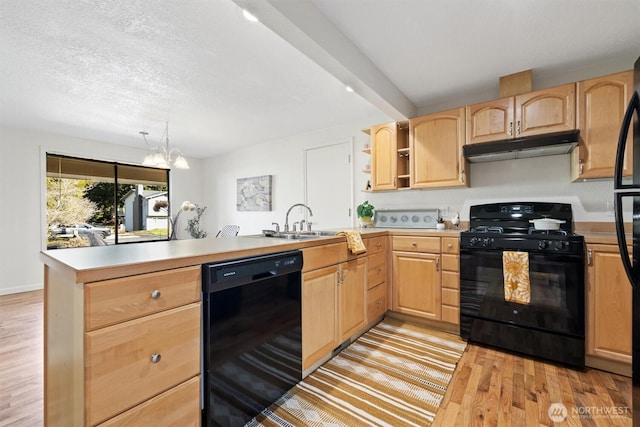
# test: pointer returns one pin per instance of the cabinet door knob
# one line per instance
(378, 244)
(378, 270)
(449, 245)
(155, 357)
(379, 302)
(155, 294)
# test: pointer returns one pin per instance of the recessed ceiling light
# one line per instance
(349, 89)
(249, 17)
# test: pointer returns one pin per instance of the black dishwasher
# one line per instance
(252, 335)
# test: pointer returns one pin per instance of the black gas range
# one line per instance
(503, 254)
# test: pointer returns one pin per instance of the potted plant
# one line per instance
(440, 223)
(365, 214)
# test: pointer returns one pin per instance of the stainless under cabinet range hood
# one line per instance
(549, 144)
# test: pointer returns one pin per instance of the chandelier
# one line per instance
(161, 156)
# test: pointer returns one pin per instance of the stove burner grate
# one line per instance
(488, 229)
(533, 230)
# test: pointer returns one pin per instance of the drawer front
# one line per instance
(450, 245)
(376, 302)
(451, 314)
(119, 370)
(323, 256)
(377, 269)
(118, 300)
(451, 297)
(450, 280)
(416, 244)
(376, 245)
(179, 406)
(451, 262)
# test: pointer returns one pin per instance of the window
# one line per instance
(93, 203)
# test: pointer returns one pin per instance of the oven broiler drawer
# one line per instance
(528, 341)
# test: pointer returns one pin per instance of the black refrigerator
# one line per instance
(625, 193)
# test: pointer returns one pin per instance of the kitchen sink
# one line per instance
(297, 235)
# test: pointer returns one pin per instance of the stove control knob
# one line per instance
(486, 242)
(543, 244)
(474, 241)
(561, 245)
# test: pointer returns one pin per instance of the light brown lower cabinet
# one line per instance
(179, 406)
(608, 326)
(333, 301)
(123, 351)
(417, 284)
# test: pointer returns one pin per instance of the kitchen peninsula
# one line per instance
(107, 307)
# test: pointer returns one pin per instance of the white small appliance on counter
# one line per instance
(406, 218)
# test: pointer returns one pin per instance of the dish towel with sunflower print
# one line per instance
(354, 241)
(517, 287)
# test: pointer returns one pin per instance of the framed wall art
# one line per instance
(254, 193)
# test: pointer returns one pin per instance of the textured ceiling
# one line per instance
(107, 70)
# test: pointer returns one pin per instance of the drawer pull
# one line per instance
(378, 245)
(378, 270)
(155, 357)
(449, 245)
(414, 244)
(155, 294)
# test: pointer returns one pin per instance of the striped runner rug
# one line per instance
(396, 374)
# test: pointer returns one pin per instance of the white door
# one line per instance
(329, 185)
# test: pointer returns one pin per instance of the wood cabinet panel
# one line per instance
(376, 302)
(179, 406)
(416, 244)
(450, 297)
(353, 293)
(417, 285)
(377, 269)
(450, 280)
(450, 314)
(383, 156)
(450, 245)
(601, 105)
(319, 314)
(545, 111)
(376, 245)
(609, 311)
(450, 262)
(436, 142)
(490, 121)
(113, 301)
(123, 355)
(322, 256)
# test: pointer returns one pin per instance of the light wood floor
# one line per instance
(489, 388)
(21, 360)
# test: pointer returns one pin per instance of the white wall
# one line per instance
(284, 160)
(22, 193)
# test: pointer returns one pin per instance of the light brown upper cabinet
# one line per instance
(533, 113)
(600, 109)
(389, 156)
(436, 142)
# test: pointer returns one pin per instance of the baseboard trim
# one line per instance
(20, 289)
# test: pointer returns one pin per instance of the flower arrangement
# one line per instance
(185, 207)
(193, 225)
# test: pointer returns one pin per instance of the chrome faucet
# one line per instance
(286, 219)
